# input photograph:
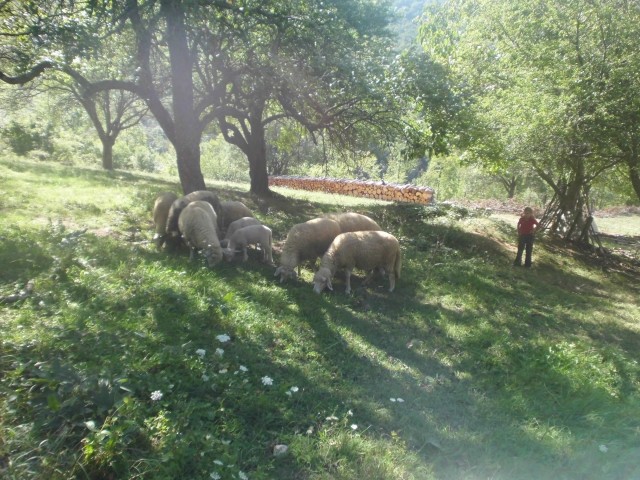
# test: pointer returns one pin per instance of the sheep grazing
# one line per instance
(369, 250)
(197, 222)
(250, 235)
(236, 225)
(353, 222)
(305, 241)
(160, 214)
(172, 237)
(230, 211)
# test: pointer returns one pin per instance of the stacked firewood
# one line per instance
(379, 190)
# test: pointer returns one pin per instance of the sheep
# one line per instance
(250, 235)
(368, 250)
(236, 225)
(305, 241)
(172, 236)
(197, 222)
(160, 214)
(353, 222)
(230, 211)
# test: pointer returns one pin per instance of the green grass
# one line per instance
(471, 369)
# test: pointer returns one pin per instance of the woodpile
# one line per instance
(391, 192)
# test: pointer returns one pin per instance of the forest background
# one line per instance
(523, 121)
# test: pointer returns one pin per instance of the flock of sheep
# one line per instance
(343, 241)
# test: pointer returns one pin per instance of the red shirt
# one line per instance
(526, 225)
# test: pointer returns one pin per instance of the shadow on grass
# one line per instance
(464, 341)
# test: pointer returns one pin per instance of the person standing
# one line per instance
(527, 226)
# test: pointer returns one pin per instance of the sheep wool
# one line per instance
(240, 223)
(251, 235)
(173, 231)
(197, 222)
(230, 211)
(353, 222)
(368, 251)
(305, 241)
(161, 208)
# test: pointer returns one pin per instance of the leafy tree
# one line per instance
(542, 78)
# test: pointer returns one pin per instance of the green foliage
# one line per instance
(25, 138)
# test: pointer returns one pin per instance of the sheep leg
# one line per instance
(191, 254)
(245, 255)
(392, 280)
(347, 277)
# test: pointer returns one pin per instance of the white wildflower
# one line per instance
(243, 368)
(400, 400)
(294, 389)
(223, 338)
(219, 463)
(215, 476)
(242, 475)
(603, 448)
(156, 395)
(205, 378)
(392, 399)
(219, 352)
(201, 352)
(267, 380)
(354, 426)
(223, 371)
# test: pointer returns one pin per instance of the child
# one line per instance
(527, 226)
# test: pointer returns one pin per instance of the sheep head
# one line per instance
(285, 273)
(228, 254)
(322, 280)
(212, 258)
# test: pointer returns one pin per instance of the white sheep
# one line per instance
(172, 237)
(236, 225)
(197, 222)
(305, 241)
(250, 235)
(369, 250)
(230, 211)
(161, 208)
(353, 222)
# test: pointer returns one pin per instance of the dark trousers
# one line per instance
(525, 242)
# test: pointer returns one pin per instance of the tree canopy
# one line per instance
(554, 84)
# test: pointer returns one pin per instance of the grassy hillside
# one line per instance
(124, 362)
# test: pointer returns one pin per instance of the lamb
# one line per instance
(305, 241)
(160, 214)
(197, 222)
(230, 211)
(369, 250)
(236, 225)
(353, 222)
(250, 235)
(172, 236)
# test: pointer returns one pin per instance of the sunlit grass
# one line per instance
(118, 365)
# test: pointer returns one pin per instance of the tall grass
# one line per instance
(125, 362)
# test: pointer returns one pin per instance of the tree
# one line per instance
(540, 75)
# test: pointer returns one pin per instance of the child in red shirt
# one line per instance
(527, 226)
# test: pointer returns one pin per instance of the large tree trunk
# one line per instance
(186, 124)
(107, 152)
(569, 213)
(257, 156)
